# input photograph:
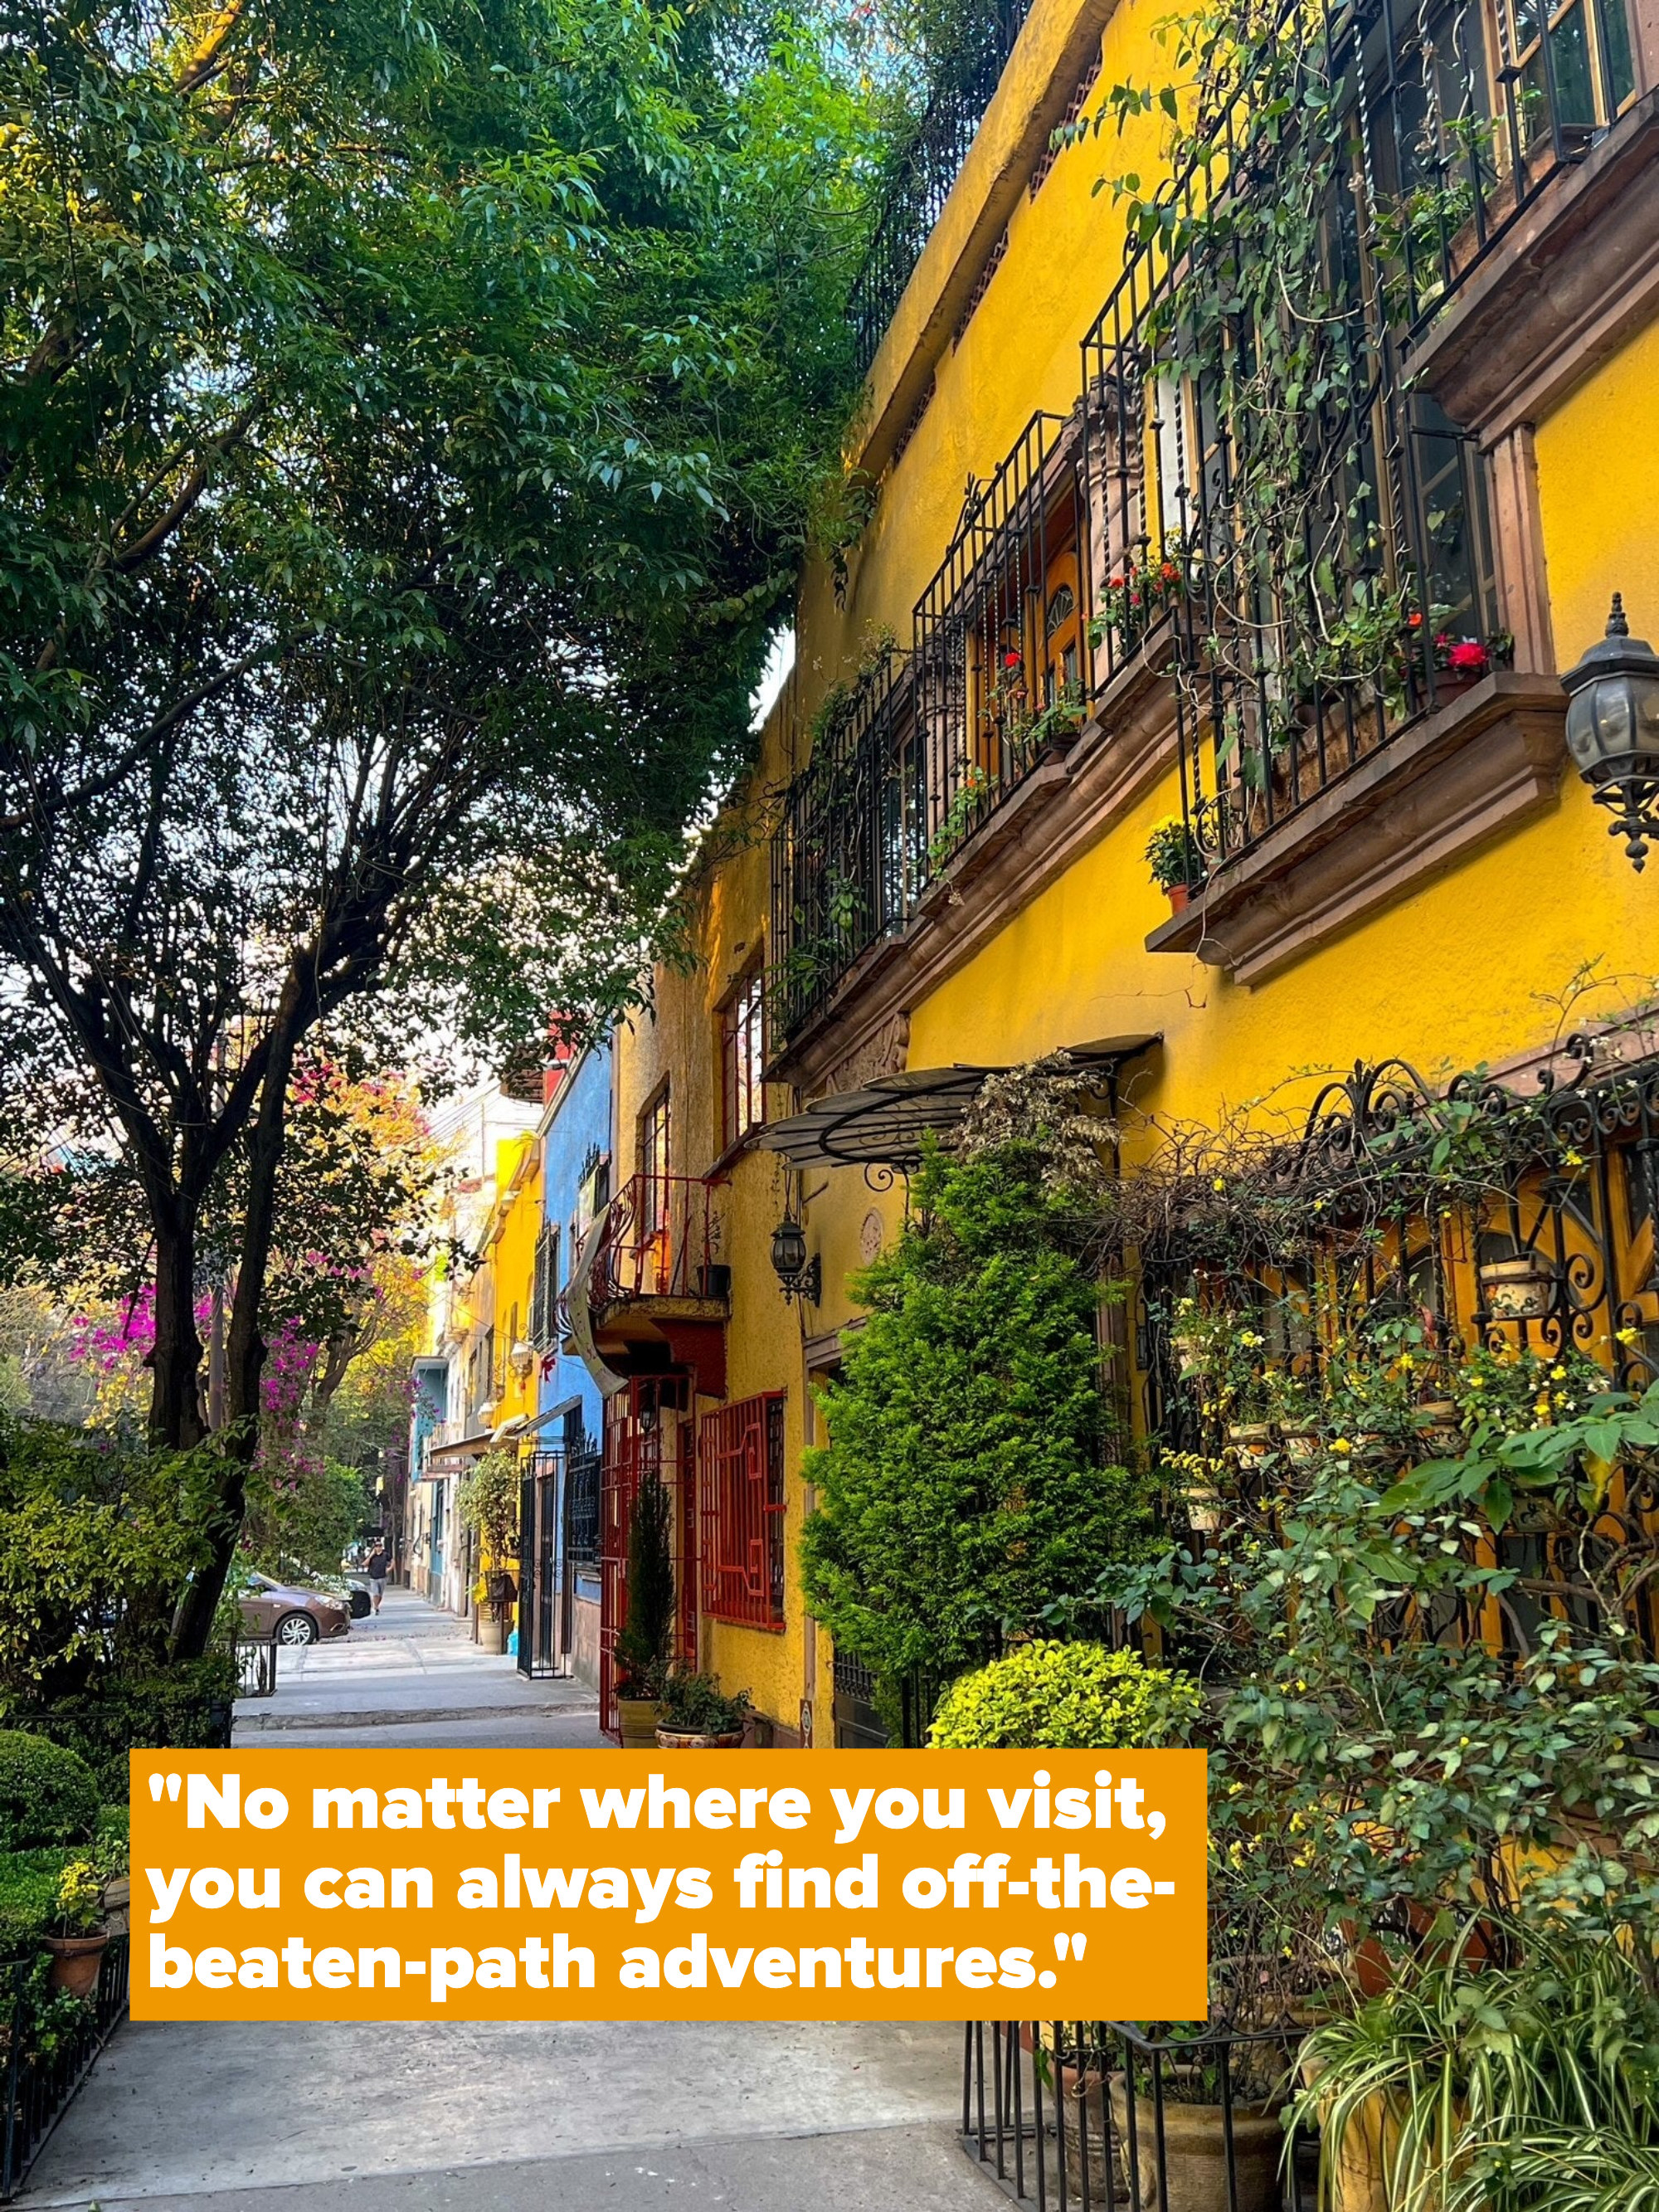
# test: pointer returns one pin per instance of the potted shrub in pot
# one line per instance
(80, 1939)
(1176, 864)
(647, 1635)
(696, 1715)
(1181, 2166)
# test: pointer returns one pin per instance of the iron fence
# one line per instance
(1002, 633)
(256, 1666)
(40, 2084)
(659, 1241)
(1100, 2116)
(928, 167)
(849, 854)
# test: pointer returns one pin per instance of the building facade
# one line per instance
(1237, 781)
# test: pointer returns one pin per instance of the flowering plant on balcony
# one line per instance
(1133, 601)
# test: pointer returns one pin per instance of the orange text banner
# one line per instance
(289, 1885)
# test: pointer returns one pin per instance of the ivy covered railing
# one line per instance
(927, 168)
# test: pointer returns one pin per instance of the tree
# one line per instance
(968, 1485)
(406, 438)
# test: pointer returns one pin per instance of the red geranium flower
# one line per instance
(1010, 661)
(1468, 658)
(1414, 619)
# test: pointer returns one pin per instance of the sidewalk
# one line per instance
(412, 1675)
(537, 2116)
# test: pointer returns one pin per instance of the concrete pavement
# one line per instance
(416, 1673)
(536, 2116)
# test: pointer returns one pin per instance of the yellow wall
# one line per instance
(1598, 487)
(1479, 963)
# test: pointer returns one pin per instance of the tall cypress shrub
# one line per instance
(968, 1480)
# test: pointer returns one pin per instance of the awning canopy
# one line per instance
(883, 1122)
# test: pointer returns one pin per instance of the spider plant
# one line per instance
(1531, 2086)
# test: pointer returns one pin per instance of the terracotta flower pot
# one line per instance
(1179, 897)
(637, 1718)
(670, 1739)
(1192, 2168)
(75, 1960)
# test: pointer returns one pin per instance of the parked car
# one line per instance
(359, 1596)
(282, 1615)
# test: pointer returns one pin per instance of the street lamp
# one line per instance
(798, 1276)
(1612, 730)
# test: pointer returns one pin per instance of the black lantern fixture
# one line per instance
(1612, 730)
(798, 1276)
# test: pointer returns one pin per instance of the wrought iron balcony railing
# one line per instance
(660, 1240)
(1310, 562)
(927, 168)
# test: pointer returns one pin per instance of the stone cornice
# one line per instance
(1563, 288)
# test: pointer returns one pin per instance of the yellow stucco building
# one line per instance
(1358, 756)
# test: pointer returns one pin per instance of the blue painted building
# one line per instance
(576, 1185)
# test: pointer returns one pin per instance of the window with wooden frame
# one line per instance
(740, 1454)
(654, 1158)
(743, 1061)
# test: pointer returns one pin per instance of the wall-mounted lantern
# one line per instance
(798, 1276)
(1612, 730)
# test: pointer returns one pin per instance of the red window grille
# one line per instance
(743, 1058)
(740, 1449)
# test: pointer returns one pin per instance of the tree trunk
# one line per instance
(245, 1346)
(175, 1404)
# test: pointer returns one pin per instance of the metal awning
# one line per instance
(464, 1448)
(885, 1123)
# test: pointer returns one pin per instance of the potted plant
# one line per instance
(646, 1634)
(694, 1714)
(78, 1943)
(1178, 865)
(487, 1504)
(1181, 2152)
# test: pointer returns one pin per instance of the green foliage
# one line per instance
(28, 1898)
(1066, 1697)
(47, 1795)
(97, 1538)
(185, 1706)
(301, 1517)
(487, 1500)
(966, 1486)
(78, 1904)
(697, 1705)
(647, 1635)
(1530, 2086)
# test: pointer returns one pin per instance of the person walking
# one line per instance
(376, 1572)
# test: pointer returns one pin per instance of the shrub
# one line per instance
(28, 1898)
(1066, 1697)
(643, 1647)
(183, 1708)
(697, 1705)
(47, 1795)
(968, 1485)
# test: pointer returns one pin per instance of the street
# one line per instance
(416, 2118)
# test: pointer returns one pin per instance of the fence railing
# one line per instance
(256, 1666)
(35, 2087)
(1096, 2115)
(660, 1241)
(928, 167)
